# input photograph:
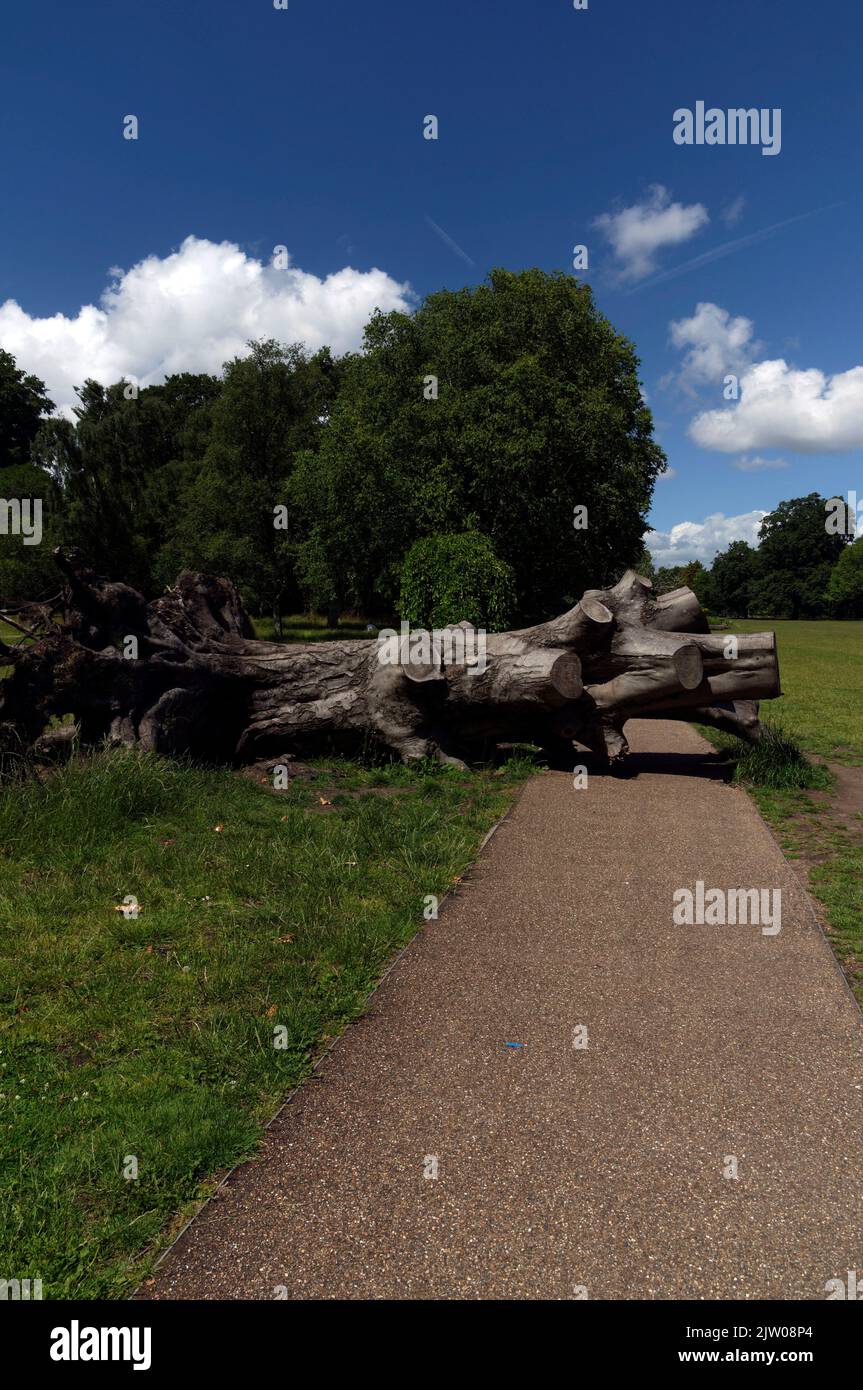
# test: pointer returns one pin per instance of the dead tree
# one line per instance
(184, 675)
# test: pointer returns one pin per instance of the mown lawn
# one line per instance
(148, 1042)
(830, 847)
(304, 627)
(821, 669)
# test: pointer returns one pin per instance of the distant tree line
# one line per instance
(439, 467)
(800, 569)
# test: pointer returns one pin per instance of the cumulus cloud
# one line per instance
(191, 311)
(639, 232)
(715, 344)
(702, 540)
(783, 408)
(667, 475)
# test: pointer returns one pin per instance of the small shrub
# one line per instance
(452, 578)
(777, 761)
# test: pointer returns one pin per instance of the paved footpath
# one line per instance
(563, 1168)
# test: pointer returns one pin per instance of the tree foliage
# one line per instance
(120, 469)
(732, 579)
(845, 587)
(796, 556)
(498, 408)
(437, 471)
(446, 579)
(26, 571)
(23, 403)
(273, 404)
(692, 576)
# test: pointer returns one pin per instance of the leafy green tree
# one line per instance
(797, 555)
(447, 579)
(499, 408)
(643, 563)
(845, 586)
(27, 571)
(234, 517)
(23, 403)
(732, 579)
(692, 576)
(121, 465)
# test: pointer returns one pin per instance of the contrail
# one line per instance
(728, 248)
(448, 241)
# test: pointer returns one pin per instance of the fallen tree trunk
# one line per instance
(185, 675)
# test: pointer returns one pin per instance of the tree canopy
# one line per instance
(845, 588)
(492, 449)
(451, 579)
(796, 556)
(234, 516)
(23, 403)
(499, 409)
(731, 582)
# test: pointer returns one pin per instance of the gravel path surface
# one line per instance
(564, 1170)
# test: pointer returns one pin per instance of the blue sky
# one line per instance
(304, 128)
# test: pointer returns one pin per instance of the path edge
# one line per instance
(201, 1207)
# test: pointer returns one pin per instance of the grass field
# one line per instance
(821, 670)
(152, 1038)
(829, 846)
(305, 627)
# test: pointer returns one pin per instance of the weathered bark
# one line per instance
(184, 675)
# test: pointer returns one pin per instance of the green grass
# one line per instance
(775, 763)
(838, 885)
(310, 628)
(821, 671)
(7, 634)
(833, 853)
(153, 1036)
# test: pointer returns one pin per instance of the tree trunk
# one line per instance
(196, 682)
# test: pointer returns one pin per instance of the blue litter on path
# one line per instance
(514, 1044)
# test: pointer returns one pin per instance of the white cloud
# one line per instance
(753, 465)
(637, 233)
(702, 540)
(727, 248)
(783, 408)
(667, 475)
(192, 311)
(717, 344)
